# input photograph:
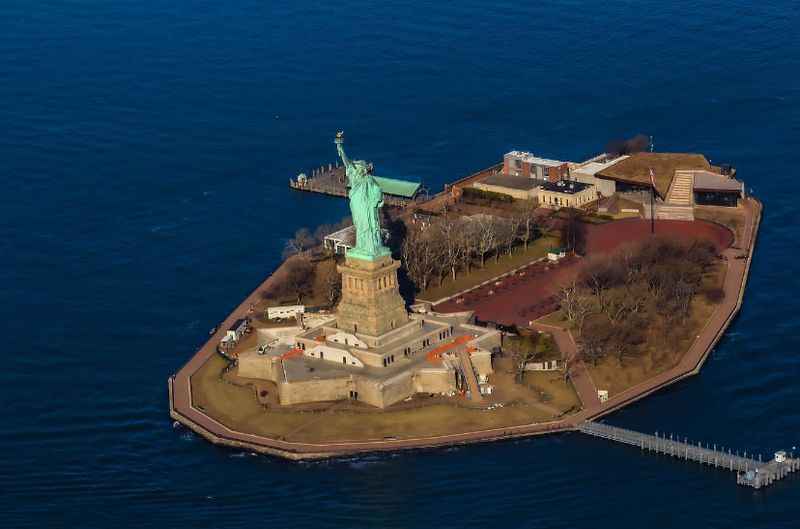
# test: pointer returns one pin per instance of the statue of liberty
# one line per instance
(366, 200)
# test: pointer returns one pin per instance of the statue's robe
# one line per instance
(366, 198)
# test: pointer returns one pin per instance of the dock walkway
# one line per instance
(749, 471)
(332, 180)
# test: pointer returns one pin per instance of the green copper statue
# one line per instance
(366, 200)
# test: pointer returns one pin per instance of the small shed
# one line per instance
(286, 311)
(554, 254)
(236, 330)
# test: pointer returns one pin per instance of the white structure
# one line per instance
(587, 171)
(235, 332)
(342, 240)
(602, 395)
(287, 311)
(566, 194)
(554, 254)
(334, 354)
(346, 338)
(547, 365)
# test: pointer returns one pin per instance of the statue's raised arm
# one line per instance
(339, 141)
(366, 199)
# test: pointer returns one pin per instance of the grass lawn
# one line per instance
(732, 218)
(238, 407)
(555, 319)
(506, 263)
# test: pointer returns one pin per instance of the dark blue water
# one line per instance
(145, 147)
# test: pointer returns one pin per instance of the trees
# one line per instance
(450, 232)
(627, 338)
(508, 233)
(642, 292)
(575, 304)
(486, 236)
(450, 243)
(527, 220)
(523, 350)
(332, 283)
(618, 147)
(467, 238)
(594, 339)
(299, 278)
(296, 280)
(421, 254)
(301, 242)
(573, 232)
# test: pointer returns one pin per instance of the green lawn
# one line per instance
(506, 263)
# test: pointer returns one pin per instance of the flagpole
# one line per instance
(652, 203)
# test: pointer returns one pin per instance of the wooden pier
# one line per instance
(331, 180)
(749, 471)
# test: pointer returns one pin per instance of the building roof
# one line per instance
(709, 181)
(636, 168)
(567, 187)
(592, 168)
(238, 323)
(514, 182)
(400, 188)
(533, 159)
(345, 235)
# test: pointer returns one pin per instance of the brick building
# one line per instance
(522, 163)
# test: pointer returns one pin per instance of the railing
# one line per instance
(750, 472)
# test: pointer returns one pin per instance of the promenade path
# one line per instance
(578, 373)
(182, 410)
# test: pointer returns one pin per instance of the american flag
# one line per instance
(652, 178)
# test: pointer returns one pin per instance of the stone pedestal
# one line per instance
(371, 303)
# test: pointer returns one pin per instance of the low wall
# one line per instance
(315, 390)
(434, 381)
(254, 365)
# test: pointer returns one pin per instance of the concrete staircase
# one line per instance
(680, 198)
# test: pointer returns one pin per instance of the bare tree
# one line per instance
(450, 229)
(523, 350)
(333, 286)
(618, 147)
(301, 242)
(573, 232)
(299, 278)
(421, 255)
(486, 226)
(467, 239)
(509, 232)
(527, 219)
(575, 304)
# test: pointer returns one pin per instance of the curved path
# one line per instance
(182, 410)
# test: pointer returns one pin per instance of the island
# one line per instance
(532, 297)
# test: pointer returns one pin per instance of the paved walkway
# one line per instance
(181, 407)
(578, 373)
